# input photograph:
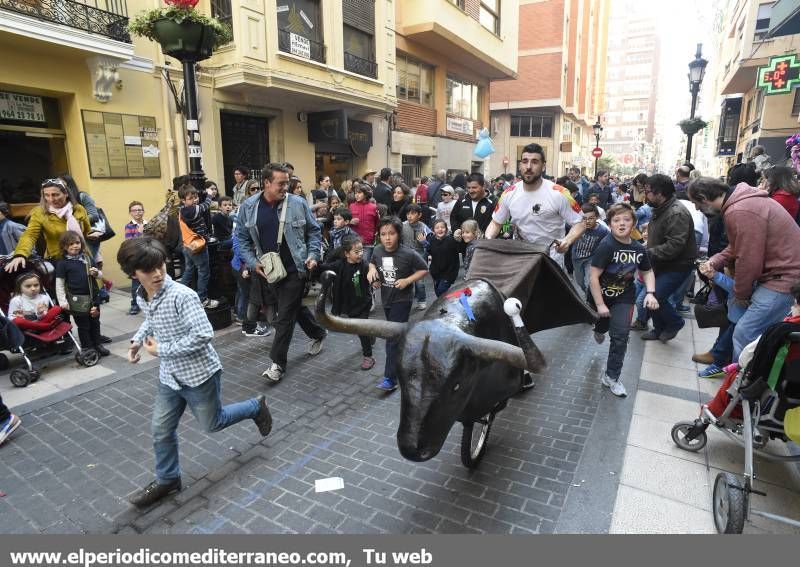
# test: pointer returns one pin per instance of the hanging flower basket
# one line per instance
(182, 31)
(691, 126)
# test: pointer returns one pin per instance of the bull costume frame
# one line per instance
(482, 347)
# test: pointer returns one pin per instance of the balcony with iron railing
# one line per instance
(108, 18)
(300, 46)
(360, 66)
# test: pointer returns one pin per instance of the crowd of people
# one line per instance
(632, 246)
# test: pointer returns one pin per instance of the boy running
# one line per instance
(176, 329)
(611, 281)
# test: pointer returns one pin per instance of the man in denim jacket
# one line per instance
(257, 231)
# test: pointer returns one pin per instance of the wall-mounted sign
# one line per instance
(459, 125)
(121, 145)
(21, 107)
(299, 45)
(780, 76)
(359, 134)
(328, 126)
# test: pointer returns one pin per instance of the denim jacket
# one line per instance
(301, 232)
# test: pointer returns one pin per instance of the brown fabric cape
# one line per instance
(524, 271)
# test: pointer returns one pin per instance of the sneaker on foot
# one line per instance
(599, 338)
(134, 310)
(316, 345)
(8, 427)
(711, 371)
(209, 303)
(649, 335)
(422, 306)
(263, 330)
(257, 332)
(616, 386)
(101, 350)
(667, 336)
(367, 363)
(154, 492)
(263, 418)
(387, 385)
(274, 373)
(639, 326)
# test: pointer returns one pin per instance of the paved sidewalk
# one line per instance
(664, 489)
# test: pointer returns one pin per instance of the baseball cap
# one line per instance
(448, 189)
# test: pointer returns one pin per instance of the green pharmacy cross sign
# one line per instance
(780, 76)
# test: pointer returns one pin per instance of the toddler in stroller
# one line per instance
(754, 405)
(34, 325)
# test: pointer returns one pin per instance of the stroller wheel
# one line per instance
(730, 503)
(88, 357)
(35, 374)
(687, 439)
(3, 362)
(20, 378)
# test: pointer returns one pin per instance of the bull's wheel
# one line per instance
(473, 440)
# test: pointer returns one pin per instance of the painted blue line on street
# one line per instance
(252, 495)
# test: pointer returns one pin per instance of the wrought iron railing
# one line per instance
(302, 46)
(111, 22)
(359, 65)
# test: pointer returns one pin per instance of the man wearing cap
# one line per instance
(369, 178)
(445, 208)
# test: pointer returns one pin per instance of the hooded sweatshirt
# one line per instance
(764, 241)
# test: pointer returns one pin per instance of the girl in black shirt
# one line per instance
(443, 250)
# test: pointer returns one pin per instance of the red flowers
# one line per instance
(186, 4)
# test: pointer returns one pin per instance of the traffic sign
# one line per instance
(597, 152)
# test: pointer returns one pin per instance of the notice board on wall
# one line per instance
(121, 145)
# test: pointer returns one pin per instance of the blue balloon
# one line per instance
(484, 147)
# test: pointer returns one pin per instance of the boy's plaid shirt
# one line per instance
(176, 319)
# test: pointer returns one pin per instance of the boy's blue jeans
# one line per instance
(419, 291)
(618, 328)
(580, 271)
(665, 318)
(196, 264)
(205, 403)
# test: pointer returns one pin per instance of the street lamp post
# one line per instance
(697, 69)
(597, 129)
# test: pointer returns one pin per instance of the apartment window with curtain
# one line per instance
(460, 3)
(359, 37)
(414, 80)
(300, 29)
(489, 15)
(762, 20)
(463, 98)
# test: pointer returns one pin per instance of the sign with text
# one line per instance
(459, 125)
(299, 45)
(780, 76)
(359, 134)
(21, 107)
(121, 145)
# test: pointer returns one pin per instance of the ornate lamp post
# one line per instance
(597, 129)
(188, 36)
(697, 70)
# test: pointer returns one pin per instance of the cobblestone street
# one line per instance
(74, 461)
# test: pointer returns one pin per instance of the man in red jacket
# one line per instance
(764, 244)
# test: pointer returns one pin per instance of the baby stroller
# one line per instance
(750, 408)
(29, 343)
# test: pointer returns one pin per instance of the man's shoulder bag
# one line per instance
(192, 241)
(271, 262)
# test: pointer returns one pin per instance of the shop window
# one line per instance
(489, 15)
(414, 81)
(300, 29)
(532, 125)
(462, 98)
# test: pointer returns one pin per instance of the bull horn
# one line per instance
(490, 349)
(365, 327)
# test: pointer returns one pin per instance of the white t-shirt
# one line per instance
(443, 211)
(540, 215)
(28, 306)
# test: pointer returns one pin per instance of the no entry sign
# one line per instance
(597, 152)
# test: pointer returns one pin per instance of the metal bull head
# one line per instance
(457, 364)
